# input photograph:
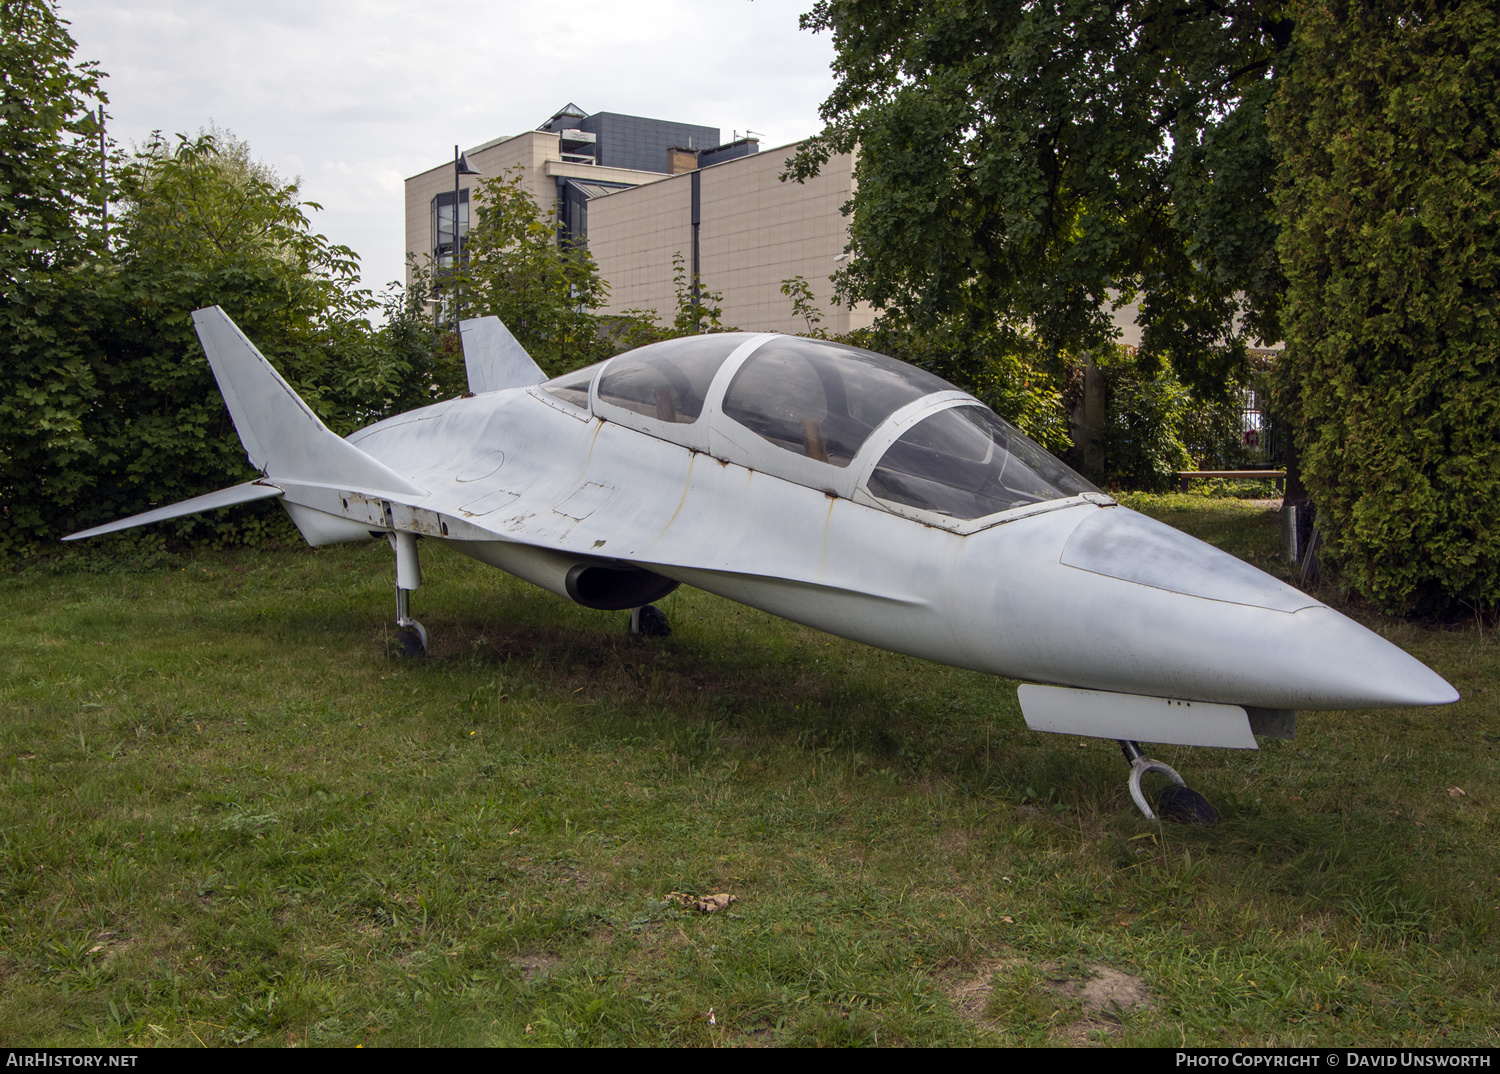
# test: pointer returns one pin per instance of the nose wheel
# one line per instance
(649, 622)
(1178, 802)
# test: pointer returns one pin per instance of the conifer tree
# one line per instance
(1389, 134)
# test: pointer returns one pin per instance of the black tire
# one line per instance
(1186, 806)
(649, 622)
(413, 641)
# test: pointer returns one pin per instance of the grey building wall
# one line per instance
(733, 151)
(636, 142)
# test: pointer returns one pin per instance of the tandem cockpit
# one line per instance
(846, 421)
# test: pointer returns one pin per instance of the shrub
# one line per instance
(1389, 130)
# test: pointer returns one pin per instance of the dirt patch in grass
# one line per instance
(955, 842)
(534, 966)
(1084, 1009)
(1104, 998)
(970, 993)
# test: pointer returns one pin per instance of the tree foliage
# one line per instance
(1003, 368)
(516, 270)
(1030, 164)
(51, 184)
(50, 196)
(201, 226)
(548, 293)
(1389, 131)
(1025, 163)
(207, 197)
(204, 224)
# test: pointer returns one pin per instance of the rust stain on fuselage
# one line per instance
(687, 484)
(589, 458)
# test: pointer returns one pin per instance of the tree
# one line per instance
(1389, 134)
(208, 197)
(202, 224)
(805, 305)
(1021, 163)
(51, 184)
(1024, 164)
(51, 190)
(515, 269)
(1004, 368)
(699, 309)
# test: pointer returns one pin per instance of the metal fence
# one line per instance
(1258, 429)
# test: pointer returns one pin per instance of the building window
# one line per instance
(573, 197)
(442, 227)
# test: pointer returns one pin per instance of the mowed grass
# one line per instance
(230, 816)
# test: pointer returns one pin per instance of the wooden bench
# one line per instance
(1278, 476)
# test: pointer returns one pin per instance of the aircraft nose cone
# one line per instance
(1206, 625)
(1335, 662)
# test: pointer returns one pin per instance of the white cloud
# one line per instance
(355, 95)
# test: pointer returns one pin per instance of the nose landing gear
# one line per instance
(649, 622)
(1179, 801)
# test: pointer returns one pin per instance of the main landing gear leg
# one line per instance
(1179, 801)
(410, 633)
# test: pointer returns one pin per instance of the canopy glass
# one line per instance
(668, 381)
(967, 462)
(821, 399)
(573, 387)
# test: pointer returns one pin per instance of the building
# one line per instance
(741, 229)
(643, 192)
(563, 166)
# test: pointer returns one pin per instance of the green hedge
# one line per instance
(1390, 188)
(109, 407)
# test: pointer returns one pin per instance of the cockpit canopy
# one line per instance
(849, 421)
(967, 462)
(822, 400)
(668, 381)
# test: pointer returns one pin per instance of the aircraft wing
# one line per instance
(249, 492)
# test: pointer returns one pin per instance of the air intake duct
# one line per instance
(615, 588)
(603, 584)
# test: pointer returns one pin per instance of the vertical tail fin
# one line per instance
(493, 357)
(281, 434)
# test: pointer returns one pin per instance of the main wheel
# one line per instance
(649, 622)
(1185, 805)
(413, 640)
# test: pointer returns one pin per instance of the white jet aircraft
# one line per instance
(834, 487)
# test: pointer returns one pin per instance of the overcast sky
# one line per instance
(354, 96)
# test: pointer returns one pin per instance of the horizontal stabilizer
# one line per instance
(249, 492)
(494, 359)
(281, 434)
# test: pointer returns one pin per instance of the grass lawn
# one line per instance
(230, 817)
